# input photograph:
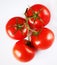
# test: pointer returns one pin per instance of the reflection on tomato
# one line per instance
(22, 51)
(16, 28)
(43, 40)
(38, 16)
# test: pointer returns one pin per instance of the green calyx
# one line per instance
(19, 26)
(37, 32)
(35, 15)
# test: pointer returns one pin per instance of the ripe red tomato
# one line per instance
(23, 51)
(43, 39)
(16, 28)
(38, 16)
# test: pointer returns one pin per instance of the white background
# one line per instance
(11, 8)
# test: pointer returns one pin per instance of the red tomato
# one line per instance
(38, 16)
(23, 52)
(43, 40)
(16, 28)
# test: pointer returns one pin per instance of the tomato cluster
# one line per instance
(31, 32)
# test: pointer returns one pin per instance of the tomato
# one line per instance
(23, 51)
(16, 28)
(42, 40)
(38, 16)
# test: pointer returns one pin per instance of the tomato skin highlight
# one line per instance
(41, 13)
(23, 52)
(44, 40)
(16, 28)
